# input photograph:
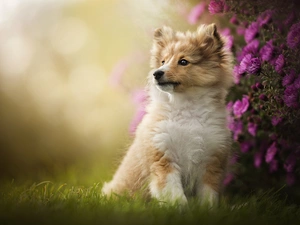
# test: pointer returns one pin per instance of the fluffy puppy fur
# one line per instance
(182, 145)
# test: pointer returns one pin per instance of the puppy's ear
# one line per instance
(209, 34)
(163, 35)
(211, 30)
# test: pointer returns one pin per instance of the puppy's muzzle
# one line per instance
(158, 74)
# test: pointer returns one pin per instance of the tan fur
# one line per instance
(215, 170)
(203, 48)
(134, 171)
(160, 169)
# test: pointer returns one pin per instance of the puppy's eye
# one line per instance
(163, 62)
(183, 62)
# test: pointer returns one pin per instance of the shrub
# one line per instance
(264, 102)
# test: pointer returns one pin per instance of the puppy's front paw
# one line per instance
(107, 189)
(173, 196)
(181, 201)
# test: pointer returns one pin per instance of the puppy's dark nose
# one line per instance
(158, 74)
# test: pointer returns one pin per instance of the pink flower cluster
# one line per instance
(267, 75)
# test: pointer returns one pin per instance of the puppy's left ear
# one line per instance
(163, 35)
(212, 31)
(213, 34)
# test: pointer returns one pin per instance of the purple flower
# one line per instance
(297, 82)
(255, 66)
(246, 61)
(229, 106)
(258, 156)
(230, 122)
(216, 6)
(259, 85)
(236, 74)
(273, 166)
(251, 47)
(234, 20)
(229, 38)
(276, 120)
(239, 56)
(289, 78)
(290, 96)
(271, 152)
(240, 30)
(265, 17)
(279, 63)
(254, 88)
(241, 106)
(291, 17)
(250, 65)
(196, 12)
(263, 97)
(267, 51)
(290, 163)
(225, 31)
(252, 128)
(251, 32)
(296, 26)
(226, 7)
(236, 127)
(293, 37)
(245, 146)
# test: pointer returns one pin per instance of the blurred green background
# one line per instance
(68, 71)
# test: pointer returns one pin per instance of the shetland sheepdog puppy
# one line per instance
(182, 145)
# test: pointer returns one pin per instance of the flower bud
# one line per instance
(263, 97)
(254, 88)
(259, 85)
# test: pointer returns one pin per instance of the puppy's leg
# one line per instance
(165, 184)
(211, 183)
(129, 177)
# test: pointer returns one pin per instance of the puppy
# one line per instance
(182, 145)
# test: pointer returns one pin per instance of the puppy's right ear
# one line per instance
(213, 32)
(163, 35)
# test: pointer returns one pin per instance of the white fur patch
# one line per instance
(195, 129)
(172, 192)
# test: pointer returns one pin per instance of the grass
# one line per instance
(55, 203)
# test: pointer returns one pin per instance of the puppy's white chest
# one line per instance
(181, 138)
